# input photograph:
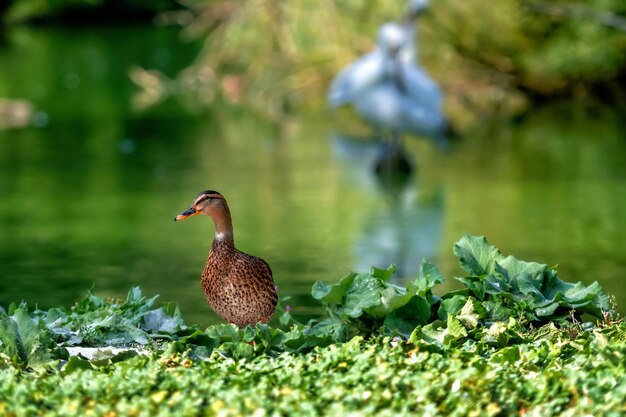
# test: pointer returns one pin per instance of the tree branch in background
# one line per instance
(579, 11)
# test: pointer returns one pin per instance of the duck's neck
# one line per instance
(223, 228)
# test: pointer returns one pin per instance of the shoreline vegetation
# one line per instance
(516, 340)
(543, 53)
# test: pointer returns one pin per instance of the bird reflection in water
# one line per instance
(403, 225)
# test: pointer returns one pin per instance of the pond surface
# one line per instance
(87, 197)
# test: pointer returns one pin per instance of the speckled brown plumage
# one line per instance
(238, 286)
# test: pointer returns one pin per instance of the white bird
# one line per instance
(389, 89)
(368, 70)
(414, 9)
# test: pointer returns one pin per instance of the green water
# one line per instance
(88, 198)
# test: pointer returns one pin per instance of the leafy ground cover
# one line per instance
(513, 341)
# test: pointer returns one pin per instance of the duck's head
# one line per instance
(208, 202)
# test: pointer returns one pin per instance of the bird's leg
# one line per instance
(395, 139)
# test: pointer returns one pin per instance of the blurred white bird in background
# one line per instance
(368, 70)
(389, 89)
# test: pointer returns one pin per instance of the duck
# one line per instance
(239, 287)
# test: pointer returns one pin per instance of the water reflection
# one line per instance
(402, 232)
(403, 227)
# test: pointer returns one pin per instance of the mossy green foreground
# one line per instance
(511, 343)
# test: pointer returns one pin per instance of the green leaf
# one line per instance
(475, 286)
(333, 328)
(528, 285)
(547, 310)
(404, 320)
(477, 256)
(429, 277)
(293, 340)
(22, 338)
(451, 305)
(508, 355)
(76, 363)
(511, 267)
(363, 293)
(225, 332)
(285, 319)
(238, 350)
(391, 298)
(432, 333)
(383, 274)
(200, 338)
(501, 332)
(471, 313)
(497, 311)
(495, 285)
(455, 330)
(332, 294)
(158, 321)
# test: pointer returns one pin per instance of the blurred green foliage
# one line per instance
(77, 10)
(276, 53)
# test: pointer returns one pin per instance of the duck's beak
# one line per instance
(191, 211)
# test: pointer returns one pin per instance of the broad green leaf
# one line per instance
(511, 267)
(475, 286)
(455, 330)
(432, 333)
(158, 321)
(332, 294)
(363, 293)
(285, 319)
(451, 306)
(237, 350)
(493, 284)
(497, 311)
(593, 292)
(249, 334)
(22, 338)
(510, 355)
(471, 313)
(391, 298)
(199, 338)
(383, 274)
(225, 332)
(76, 363)
(527, 285)
(404, 320)
(333, 328)
(477, 256)
(294, 340)
(501, 332)
(429, 276)
(547, 310)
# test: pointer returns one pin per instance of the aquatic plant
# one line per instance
(510, 342)
(499, 291)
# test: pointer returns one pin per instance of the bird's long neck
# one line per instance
(223, 226)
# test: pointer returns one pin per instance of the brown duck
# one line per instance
(238, 286)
